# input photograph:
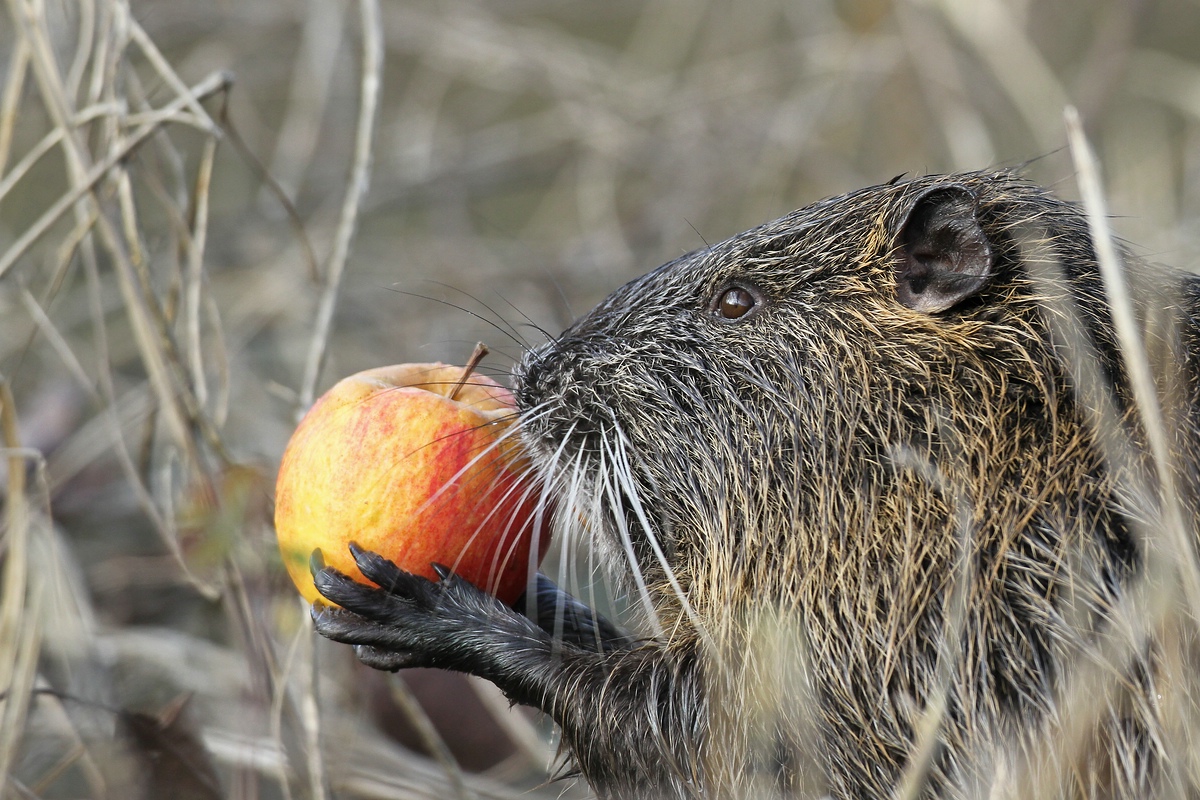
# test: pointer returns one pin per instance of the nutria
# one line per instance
(882, 473)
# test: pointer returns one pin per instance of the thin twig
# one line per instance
(20, 630)
(1133, 354)
(372, 69)
(195, 271)
(218, 361)
(59, 344)
(191, 100)
(216, 82)
(310, 719)
(31, 157)
(83, 46)
(10, 100)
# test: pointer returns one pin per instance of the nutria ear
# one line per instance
(942, 255)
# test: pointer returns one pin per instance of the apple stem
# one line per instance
(477, 355)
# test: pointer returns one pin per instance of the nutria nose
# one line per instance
(531, 377)
(551, 370)
(555, 390)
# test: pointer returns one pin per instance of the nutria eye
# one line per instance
(734, 303)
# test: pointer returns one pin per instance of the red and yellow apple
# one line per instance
(412, 462)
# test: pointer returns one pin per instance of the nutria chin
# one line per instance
(893, 501)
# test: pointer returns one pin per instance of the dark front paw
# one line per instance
(405, 620)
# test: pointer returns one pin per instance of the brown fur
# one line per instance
(899, 525)
(821, 471)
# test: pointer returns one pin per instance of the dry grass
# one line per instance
(165, 312)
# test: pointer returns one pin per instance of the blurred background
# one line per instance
(211, 211)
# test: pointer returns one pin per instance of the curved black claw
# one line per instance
(385, 659)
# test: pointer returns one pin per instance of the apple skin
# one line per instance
(386, 459)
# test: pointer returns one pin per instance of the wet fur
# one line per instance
(883, 523)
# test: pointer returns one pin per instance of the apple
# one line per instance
(413, 462)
